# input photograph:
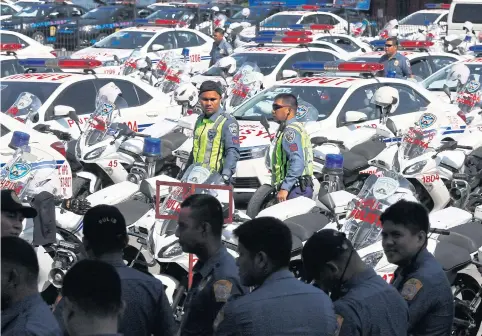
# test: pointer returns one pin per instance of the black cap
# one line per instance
(210, 86)
(103, 220)
(11, 202)
(322, 247)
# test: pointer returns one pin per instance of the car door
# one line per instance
(420, 67)
(199, 49)
(320, 56)
(438, 62)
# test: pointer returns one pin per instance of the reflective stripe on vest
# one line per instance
(208, 149)
(279, 161)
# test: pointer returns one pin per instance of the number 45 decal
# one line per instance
(112, 163)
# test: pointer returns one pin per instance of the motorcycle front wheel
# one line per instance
(263, 197)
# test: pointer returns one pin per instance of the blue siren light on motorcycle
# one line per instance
(185, 52)
(152, 147)
(19, 139)
(334, 161)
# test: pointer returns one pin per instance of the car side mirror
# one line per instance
(285, 74)
(63, 110)
(354, 117)
(157, 47)
(117, 59)
(446, 89)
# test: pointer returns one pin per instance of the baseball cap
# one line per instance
(210, 86)
(11, 202)
(103, 221)
(320, 248)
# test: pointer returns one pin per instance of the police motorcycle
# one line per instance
(139, 66)
(232, 31)
(460, 44)
(246, 83)
(222, 72)
(25, 108)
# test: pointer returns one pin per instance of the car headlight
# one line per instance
(258, 151)
(86, 28)
(373, 258)
(415, 168)
(171, 251)
(95, 153)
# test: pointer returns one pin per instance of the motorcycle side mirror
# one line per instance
(145, 189)
(73, 115)
(265, 123)
(391, 126)
(41, 128)
(117, 59)
(446, 89)
(148, 61)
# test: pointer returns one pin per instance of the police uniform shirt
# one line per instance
(214, 282)
(147, 310)
(230, 139)
(282, 305)
(370, 307)
(398, 63)
(29, 317)
(292, 146)
(425, 287)
(220, 50)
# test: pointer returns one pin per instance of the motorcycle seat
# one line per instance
(452, 258)
(173, 140)
(369, 149)
(304, 226)
(353, 163)
(132, 210)
(469, 236)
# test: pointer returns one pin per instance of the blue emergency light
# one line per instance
(19, 139)
(286, 39)
(185, 52)
(427, 22)
(378, 43)
(437, 6)
(476, 48)
(59, 63)
(334, 161)
(360, 67)
(141, 21)
(152, 147)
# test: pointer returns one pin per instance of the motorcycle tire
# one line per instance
(80, 187)
(261, 199)
(467, 289)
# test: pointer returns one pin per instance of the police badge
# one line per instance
(396, 63)
(211, 134)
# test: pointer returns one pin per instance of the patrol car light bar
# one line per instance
(10, 46)
(437, 6)
(60, 63)
(158, 22)
(404, 44)
(285, 33)
(311, 27)
(338, 66)
(303, 7)
(476, 48)
(288, 39)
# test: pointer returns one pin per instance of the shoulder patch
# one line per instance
(222, 290)
(411, 288)
(339, 322)
(290, 135)
(233, 129)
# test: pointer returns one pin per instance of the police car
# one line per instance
(333, 102)
(433, 14)
(8, 9)
(274, 59)
(10, 60)
(29, 47)
(350, 44)
(152, 41)
(78, 92)
(423, 63)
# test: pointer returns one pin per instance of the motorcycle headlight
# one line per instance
(95, 153)
(87, 28)
(373, 258)
(171, 251)
(415, 168)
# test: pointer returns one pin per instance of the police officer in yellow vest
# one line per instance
(292, 158)
(216, 134)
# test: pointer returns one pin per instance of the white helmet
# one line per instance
(215, 9)
(468, 26)
(186, 93)
(459, 72)
(227, 63)
(393, 32)
(245, 12)
(386, 98)
(393, 23)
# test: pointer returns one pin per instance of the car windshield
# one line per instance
(281, 20)
(419, 19)
(33, 11)
(254, 13)
(437, 80)
(266, 62)
(99, 13)
(125, 40)
(166, 14)
(12, 89)
(321, 99)
(24, 4)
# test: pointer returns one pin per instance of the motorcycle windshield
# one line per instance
(130, 65)
(27, 173)
(469, 96)
(418, 139)
(245, 83)
(26, 104)
(173, 76)
(363, 226)
(163, 65)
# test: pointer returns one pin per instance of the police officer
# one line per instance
(215, 275)
(292, 159)
(365, 304)
(221, 48)
(13, 213)
(147, 311)
(419, 278)
(280, 304)
(216, 134)
(24, 312)
(395, 64)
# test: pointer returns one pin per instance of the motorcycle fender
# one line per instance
(90, 177)
(472, 271)
(45, 265)
(436, 189)
(113, 169)
(170, 284)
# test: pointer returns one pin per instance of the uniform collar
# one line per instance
(289, 122)
(278, 275)
(12, 312)
(415, 263)
(114, 259)
(204, 268)
(215, 115)
(394, 56)
(363, 276)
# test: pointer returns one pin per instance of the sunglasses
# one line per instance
(209, 99)
(277, 107)
(389, 45)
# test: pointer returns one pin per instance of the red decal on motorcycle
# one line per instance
(367, 210)
(388, 277)
(133, 126)
(112, 163)
(430, 178)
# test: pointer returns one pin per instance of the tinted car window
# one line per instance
(420, 68)
(9, 38)
(359, 100)
(467, 12)
(82, 103)
(319, 56)
(10, 90)
(165, 39)
(288, 65)
(10, 67)
(441, 61)
(418, 19)
(186, 39)
(143, 96)
(410, 100)
(3, 130)
(127, 88)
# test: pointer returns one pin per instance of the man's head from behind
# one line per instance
(264, 246)
(391, 46)
(104, 230)
(20, 270)
(13, 213)
(285, 106)
(200, 221)
(93, 298)
(405, 226)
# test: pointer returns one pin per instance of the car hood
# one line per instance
(252, 133)
(102, 54)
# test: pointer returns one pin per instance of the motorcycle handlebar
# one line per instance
(440, 231)
(465, 147)
(141, 135)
